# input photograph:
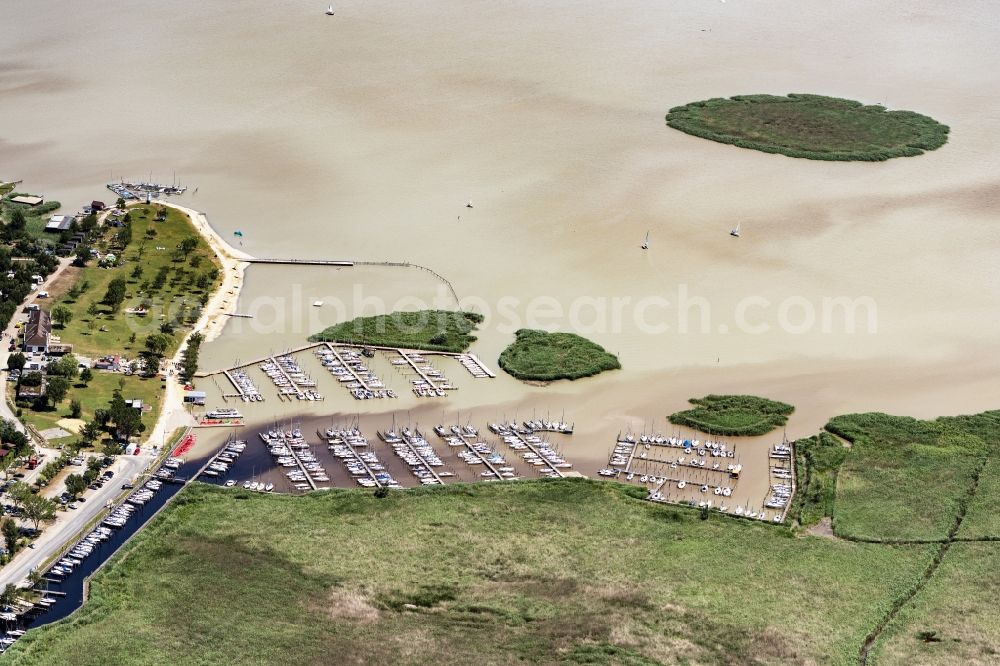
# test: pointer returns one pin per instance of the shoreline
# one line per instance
(211, 322)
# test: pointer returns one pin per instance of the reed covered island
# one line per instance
(810, 126)
(542, 356)
(733, 415)
(434, 330)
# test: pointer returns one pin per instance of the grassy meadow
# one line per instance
(953, 621)
(733, 415)
(908, 479)
(982, 520)
(810, 126)
(817, 463)
(569, 571)
(543, 356)
(435, 330)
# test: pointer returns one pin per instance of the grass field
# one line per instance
(569, 571)
(106, 333)
(733, 415)
(810, 126)
(542, 356)
(437, 330)
(983, 516)
(96, 395)
(907, 479)
(959, 606)
(109, 333)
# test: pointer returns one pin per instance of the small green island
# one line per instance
(542, 356)
(733, 415)
(810, 126)
(433, 330)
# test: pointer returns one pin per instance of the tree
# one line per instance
(86, 375)
(62, 315)
(111, 449)
(75, 484)
(187, 246)
(16, 361)
(6, 463)
(56, 390)
(39, 509)
(75, 409)
(89, 223)
(11, 534)
(115, 295)
(120, 204)
(90, 432)
(32, 379)
(67, 367)
(137, 272)
(92, 310)
(17, 220)
(157, 343)
(82, 254)
(127, 419)
(9, 595)
(94, 465)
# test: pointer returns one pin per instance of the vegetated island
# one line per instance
(542, 356)
(733, 415)
(810, 126)
(434, 330)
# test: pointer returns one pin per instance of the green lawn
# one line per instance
(959, 605)
(569, 571)
(810, 126)
(983, 516)
(97, 394)
(437, 330)
(733, 415)
(109, 333)
(542, 356)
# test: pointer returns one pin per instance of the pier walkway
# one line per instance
(469, 445)
(531, 446)
(413, 449)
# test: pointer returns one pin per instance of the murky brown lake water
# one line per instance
(363, 136)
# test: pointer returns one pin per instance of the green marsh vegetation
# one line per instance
(810, 126)
(585, 572)
(542, 356)
(906, 479)
(733, 415)
(434, 330)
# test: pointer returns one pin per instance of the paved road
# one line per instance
(54, 536)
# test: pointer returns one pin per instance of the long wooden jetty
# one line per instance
(303, 262)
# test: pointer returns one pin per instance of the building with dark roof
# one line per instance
(37, 332)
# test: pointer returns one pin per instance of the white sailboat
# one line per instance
(469, 205)
(645, 243)
(329, 11)
(735, 233)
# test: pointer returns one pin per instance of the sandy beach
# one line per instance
(211, 322)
